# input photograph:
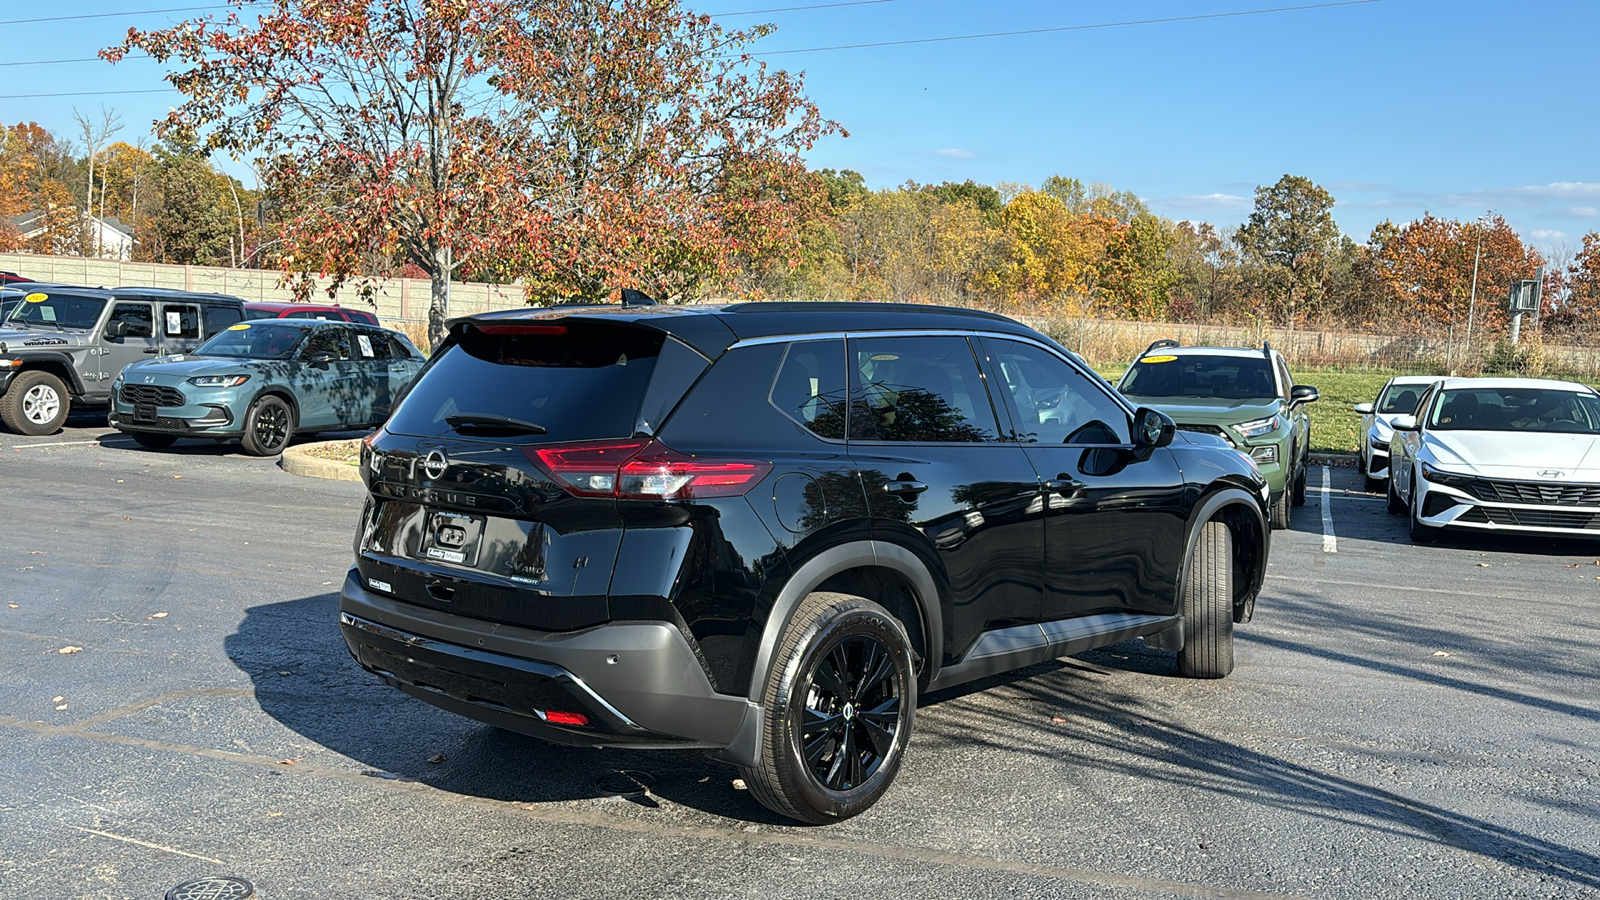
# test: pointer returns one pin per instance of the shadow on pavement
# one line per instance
(333, 702)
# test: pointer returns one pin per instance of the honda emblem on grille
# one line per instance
(435, 463)
(1552, 473)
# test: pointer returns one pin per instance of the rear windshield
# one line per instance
(1223, 377)
(580, 383)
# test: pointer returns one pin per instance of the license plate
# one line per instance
(144, 412)
(452, 538)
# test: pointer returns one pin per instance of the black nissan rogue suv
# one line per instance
(763, 529)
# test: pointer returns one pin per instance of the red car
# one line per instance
(11, 278)
(332, 312)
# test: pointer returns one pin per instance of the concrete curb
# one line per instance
(296, 461)
(1348, 460)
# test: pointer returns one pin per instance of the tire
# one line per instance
(36, 404)
(1279, 513)
(1375, 485)
(1208, 606)
(268, 426)
(833, 635)
(1300, 485)
(151, 440)
(1396, 505)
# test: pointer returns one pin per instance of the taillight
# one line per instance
(645, 470)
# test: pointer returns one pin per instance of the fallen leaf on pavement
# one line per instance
(61, 707)
(156, 616)
(1058, 720)
(437, 758)
(1573, 566)
(285, 674)
(35, 552)
(13, 606)
(739, 785)
(1440, 653)
(288, 762)
(1483, 565)
(69, 649)
(127, 518)
(58, 700)
(177, 476)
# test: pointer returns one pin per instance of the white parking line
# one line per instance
(57, 444)
(1330, 544)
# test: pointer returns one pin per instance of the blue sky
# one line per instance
(1397, 106)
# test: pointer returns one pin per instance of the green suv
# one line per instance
(1246, 397)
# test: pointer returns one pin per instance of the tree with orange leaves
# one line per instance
(1424, 271)
(588, 144)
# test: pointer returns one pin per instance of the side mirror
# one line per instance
(1404, 423)
(320, 358)
(1364, 408)
(117, 330)
(1303, 393)
(1152, 428)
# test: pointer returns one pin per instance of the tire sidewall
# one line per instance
(842, 624)
(17, 395)
(253, 416)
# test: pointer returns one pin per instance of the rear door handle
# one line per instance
(904, 488)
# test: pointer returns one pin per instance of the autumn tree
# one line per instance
(1581, 311)
(1291, 237)
(587, 145)
(1424, 270)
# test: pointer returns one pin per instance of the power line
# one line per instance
(110, 15)
(996, 34)
(86, 94)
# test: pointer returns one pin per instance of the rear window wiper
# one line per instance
(494, 423)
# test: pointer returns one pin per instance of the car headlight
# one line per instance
(1438, 476)
(1379, 443)
(218, 381)
(1258, 427)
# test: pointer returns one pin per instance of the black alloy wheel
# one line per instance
(268, 426)
(837, 710)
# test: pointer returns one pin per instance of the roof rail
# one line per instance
(1161, 344)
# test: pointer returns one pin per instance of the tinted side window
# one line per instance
(218, 318)
(810, 387)
(141, 321)
(180, 320)
(328, 340)
(1052, 402)
(370, 346)
(918, 389)
(358, 316)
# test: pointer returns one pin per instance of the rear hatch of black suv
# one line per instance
(497, 486)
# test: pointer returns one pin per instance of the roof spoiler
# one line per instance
(1266, 349)
(1162, 344)
(631, 297)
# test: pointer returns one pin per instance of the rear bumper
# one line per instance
(639, 683)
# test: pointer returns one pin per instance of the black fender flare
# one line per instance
(1228, 496)
(55, 363)
(830, 562)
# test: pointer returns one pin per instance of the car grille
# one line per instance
(1208, 429)
(1532, 492)
(1530, 518)
(152, 395)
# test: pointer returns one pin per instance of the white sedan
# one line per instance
(1398, 398)
(1499, 454)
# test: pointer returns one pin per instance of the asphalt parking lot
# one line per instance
(1404, 721)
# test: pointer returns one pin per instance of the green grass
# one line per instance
(1335, 427)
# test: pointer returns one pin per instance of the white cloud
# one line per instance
(1582, 212)
(1206, 203)
(1546, 235)
(956, 153)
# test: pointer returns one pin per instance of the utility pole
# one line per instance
(1472, 301)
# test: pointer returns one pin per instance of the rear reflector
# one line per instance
(639, 470)
(556, 717)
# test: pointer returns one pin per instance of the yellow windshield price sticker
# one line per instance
(1153, 359)
(36, 298)
(239, 327)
